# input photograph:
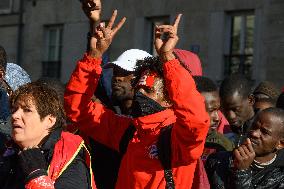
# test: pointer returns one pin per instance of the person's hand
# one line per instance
(103, 36)
(32, 163)
(92, 9)
(244, 156)
(165, 47)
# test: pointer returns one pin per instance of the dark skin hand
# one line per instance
(102, 35)
(165, 47)
(92, 9)
(244, 155)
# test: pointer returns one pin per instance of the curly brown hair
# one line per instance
(45, 100)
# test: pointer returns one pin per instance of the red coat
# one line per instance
(140, 167)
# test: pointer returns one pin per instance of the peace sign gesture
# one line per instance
(164, 47)
(103, 36)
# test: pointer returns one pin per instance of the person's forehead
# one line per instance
(268, 121)
(211, 99)
(25, 100)
(264, 104)
(234, 99)
(118, 71)
(213, 95)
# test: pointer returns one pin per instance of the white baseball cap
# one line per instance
(128, 59)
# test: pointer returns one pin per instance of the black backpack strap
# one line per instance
(164, 150)
(164, 153)
(125, 139)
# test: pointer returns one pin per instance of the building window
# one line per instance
(154, 21)
(6, 6)
(239, 59)
(51, 66)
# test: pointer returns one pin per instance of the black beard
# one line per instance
(143, 105)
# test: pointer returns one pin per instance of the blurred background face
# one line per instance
(28, 129)
(236, 109)
(121, 84)
(212, 102)
(261, 105)
(264, 133)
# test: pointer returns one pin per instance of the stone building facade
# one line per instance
(47, 37)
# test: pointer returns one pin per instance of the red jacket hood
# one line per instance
(190, 61)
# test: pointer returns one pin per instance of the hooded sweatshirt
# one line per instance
(190, 61)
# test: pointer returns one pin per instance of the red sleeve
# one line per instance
(42, 182)
(190, 130)
(93, 119)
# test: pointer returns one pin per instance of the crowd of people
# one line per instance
(165, 125)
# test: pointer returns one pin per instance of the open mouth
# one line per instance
(254, 142)
(116, 87)
(15, 126)
(214, 127)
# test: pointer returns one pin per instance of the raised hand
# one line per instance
(164, 47)
(92, 9)
(244, 156)
(102, 36)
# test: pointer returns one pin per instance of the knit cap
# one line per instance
(267, 88)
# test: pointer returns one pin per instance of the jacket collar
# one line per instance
(48, 146)
(155, 121)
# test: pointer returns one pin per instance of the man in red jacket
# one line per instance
(165, 95)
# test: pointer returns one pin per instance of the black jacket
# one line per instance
(221, 173)
(269, 177)
(74, 177)
(241, 132)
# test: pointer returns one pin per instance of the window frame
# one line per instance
(51, 66)
(9, 9)
(242, 56)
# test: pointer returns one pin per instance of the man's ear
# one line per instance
(50, 121)
(251, 99)
(280, 144)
